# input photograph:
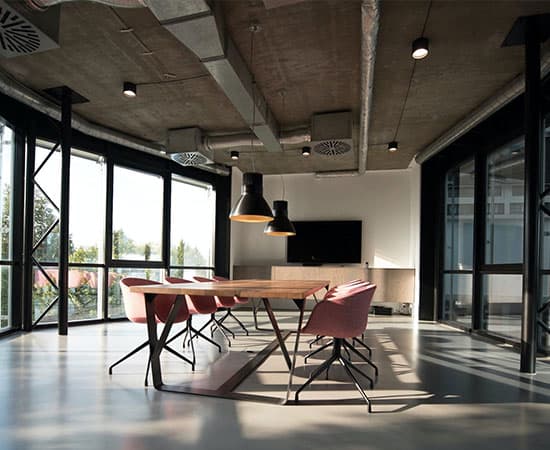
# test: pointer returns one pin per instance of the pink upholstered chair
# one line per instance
(196, 304)
(229, 313)
(134, 306)
(343, 316)
(223, 304)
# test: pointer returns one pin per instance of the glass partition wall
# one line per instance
(482, 240)
(6, 208)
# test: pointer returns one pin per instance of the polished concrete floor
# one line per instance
(438, 389)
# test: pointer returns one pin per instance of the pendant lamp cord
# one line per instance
(283, 182)
(412, 75)
(253, 29)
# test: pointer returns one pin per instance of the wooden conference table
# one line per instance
(295, 290)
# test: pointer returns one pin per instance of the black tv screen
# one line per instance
(325, 242)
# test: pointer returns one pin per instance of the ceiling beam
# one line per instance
(200, 28)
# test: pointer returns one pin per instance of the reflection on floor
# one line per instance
(438, 389)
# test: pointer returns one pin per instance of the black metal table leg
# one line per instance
(277, 331)
(300, 303)
(157, 344)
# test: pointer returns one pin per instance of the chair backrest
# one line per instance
(202, 304)
(345, 286)
(134, 302)
(224, 302)
(343, 315)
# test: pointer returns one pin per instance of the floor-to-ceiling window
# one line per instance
(137, 231)
(192, 228)
(6, 186)
(502, 271)
(458, 247)
(544, 314)
(86, 235)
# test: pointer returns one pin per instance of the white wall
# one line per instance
(387, 202)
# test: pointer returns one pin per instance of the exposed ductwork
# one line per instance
(490, 106)
(370, 19)
(21, 35)
(200, 28)
(21, 93)
(41, 5)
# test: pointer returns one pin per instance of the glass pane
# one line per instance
(5, 296)
(504, 226)
(459, 218)
(545, 316)
(188, 274)
(457, 298)
(6, 183)
(116, 306)
(86, 209)
(137, 215)
(502, 302)
(192, 224)
(46, 203)
(545, 217)
(44, 293)
(84, 293)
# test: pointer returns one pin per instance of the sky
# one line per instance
(137, 203)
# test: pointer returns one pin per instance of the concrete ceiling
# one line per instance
(309, 49)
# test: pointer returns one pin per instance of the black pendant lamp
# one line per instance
(251, 206)
(280, 225)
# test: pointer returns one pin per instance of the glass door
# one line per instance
(458, 244)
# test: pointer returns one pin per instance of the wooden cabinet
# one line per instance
(336, 274)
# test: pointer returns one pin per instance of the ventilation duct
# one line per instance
(185, 146)
(331, 133)
(25, 32)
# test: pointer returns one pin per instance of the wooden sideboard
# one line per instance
(393, 286)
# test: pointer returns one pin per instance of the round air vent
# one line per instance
(16, 34)
(332, 148)
(189, 159)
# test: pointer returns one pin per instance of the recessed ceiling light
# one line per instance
(126, 30)
(306, 151)
(234, 155)
(420, 48)
(162, 152)
(392, 146)
(129, 89)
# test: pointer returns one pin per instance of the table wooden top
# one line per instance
(290, 289)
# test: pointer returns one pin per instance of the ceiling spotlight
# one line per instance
(420, 48)
(306, 151)
(129, 89)
(234, 155)
(392, 146)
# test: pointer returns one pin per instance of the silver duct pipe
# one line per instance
(488, 107)
(21, 93)
(370, 18)
(226, 142)
(43, 4)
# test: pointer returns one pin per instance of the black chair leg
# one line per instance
(315, 374)
(235, 318)
(363, 357)
(314, 341)
(175, 353)
(128, 355)
(357, 385)
(355, 340)
(314, 352)
(359, 371)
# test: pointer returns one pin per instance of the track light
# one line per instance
(306, 151)
(129, 89)
(234, 155)
(420, 48)
(392, 146)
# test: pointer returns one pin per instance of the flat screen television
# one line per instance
(325, 242)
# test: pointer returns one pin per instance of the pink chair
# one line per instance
(223, 304)
(196, 304)
(343, 315)
(238, 301)
(134, 306)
